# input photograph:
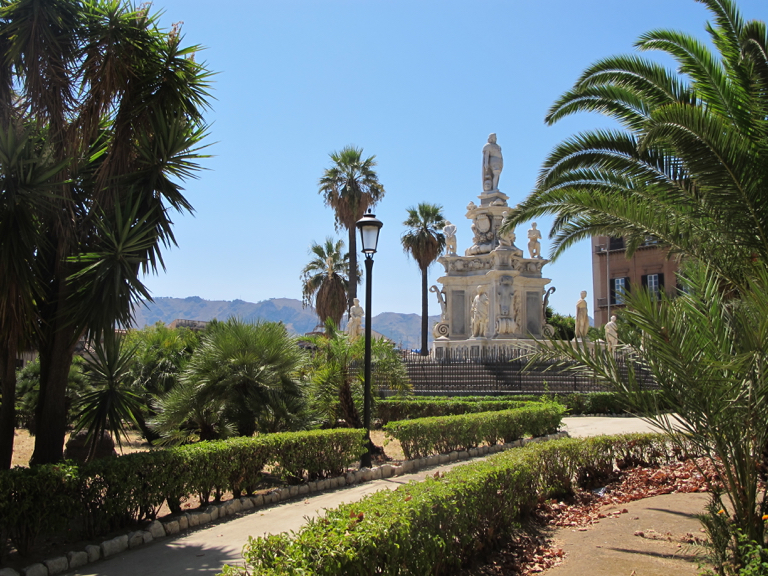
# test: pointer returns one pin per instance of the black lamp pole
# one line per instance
(369, 228)
(366, 459)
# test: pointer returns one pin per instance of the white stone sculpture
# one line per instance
(450, 237)
(493, 163)
(534, 246)
(582, 317)
(356, 313)
(480, 313)
(441, 300)
(506, 239)
(612, 333)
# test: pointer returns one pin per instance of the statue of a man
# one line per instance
(582, 317)
(450, 237)
(480, 313)
(492, 164)
(534, 246)
(356, 313)
(612, 333)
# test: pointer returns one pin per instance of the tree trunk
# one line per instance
(51, 413)
(8, 407)
(352, 290)
(424, 312)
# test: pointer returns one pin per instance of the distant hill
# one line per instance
(403, 329)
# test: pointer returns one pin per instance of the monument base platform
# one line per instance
(478, 348)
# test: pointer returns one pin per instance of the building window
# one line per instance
(619, 287)
(654, 283)
(615, 243)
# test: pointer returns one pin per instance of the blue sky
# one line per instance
(420, 84)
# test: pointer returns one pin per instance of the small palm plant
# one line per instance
(111, 404)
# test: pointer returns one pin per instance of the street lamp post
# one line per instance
(369, 228)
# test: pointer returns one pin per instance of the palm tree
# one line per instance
(249, 366)
(117, 104)
(350, 187)
(687, 168)
(325, 280)
(424, 243)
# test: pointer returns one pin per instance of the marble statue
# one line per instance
(504, 295)
(506, 239)
(480, 313)
(441, 300)
(493, 163)
(483, 239)
(534, 246)
(356, 313)
(612, 333)
(582, 317)
(450, 237)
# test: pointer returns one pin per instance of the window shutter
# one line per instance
(644, 280)
(661, 282)
(626, 284)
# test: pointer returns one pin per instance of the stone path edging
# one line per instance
(180, 523)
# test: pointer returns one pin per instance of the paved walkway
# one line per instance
(207, 549)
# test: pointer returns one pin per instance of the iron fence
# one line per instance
(501, 373)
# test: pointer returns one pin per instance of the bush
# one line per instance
(435, 526)
(107, 494)
(425, 436)
(425, 406)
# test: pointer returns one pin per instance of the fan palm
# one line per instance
(350, 187)
(424, 242)
(249, 366)
(119, 103)
(688, 167)
(325, 279)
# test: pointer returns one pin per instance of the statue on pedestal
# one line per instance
(449, 230)
(480, 313)
(493, 163)
(582, 317)
(354, 326)
(534, 246)
(612, 333)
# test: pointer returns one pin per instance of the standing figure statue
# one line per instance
(612, 333)
(492, 164)
(534, 246)
(450, 237)
(480, 313)
(354, 326)
(582, 317)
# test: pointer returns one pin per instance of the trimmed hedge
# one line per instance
(424, 406)
(426, 436)
(393, 409)
(110, 493)
(436, 526)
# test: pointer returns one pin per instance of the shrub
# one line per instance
(425, 436)
(435, 526)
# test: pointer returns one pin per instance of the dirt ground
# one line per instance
(24, 445)
(654, 537)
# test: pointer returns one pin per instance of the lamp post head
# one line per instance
(369, 227)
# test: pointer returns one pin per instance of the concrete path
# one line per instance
(207, 549)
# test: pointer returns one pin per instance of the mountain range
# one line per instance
(403, 329)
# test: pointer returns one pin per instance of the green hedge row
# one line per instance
(436, 526)
(393, 409)
(110, 493)
(424, 406)
(426, 436)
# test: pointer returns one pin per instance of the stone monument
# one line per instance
(354, 326)
(612, 334)
(492, 296)
(582, 318)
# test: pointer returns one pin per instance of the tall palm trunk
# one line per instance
(8, 408)
(352, 289)
(424, 312)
